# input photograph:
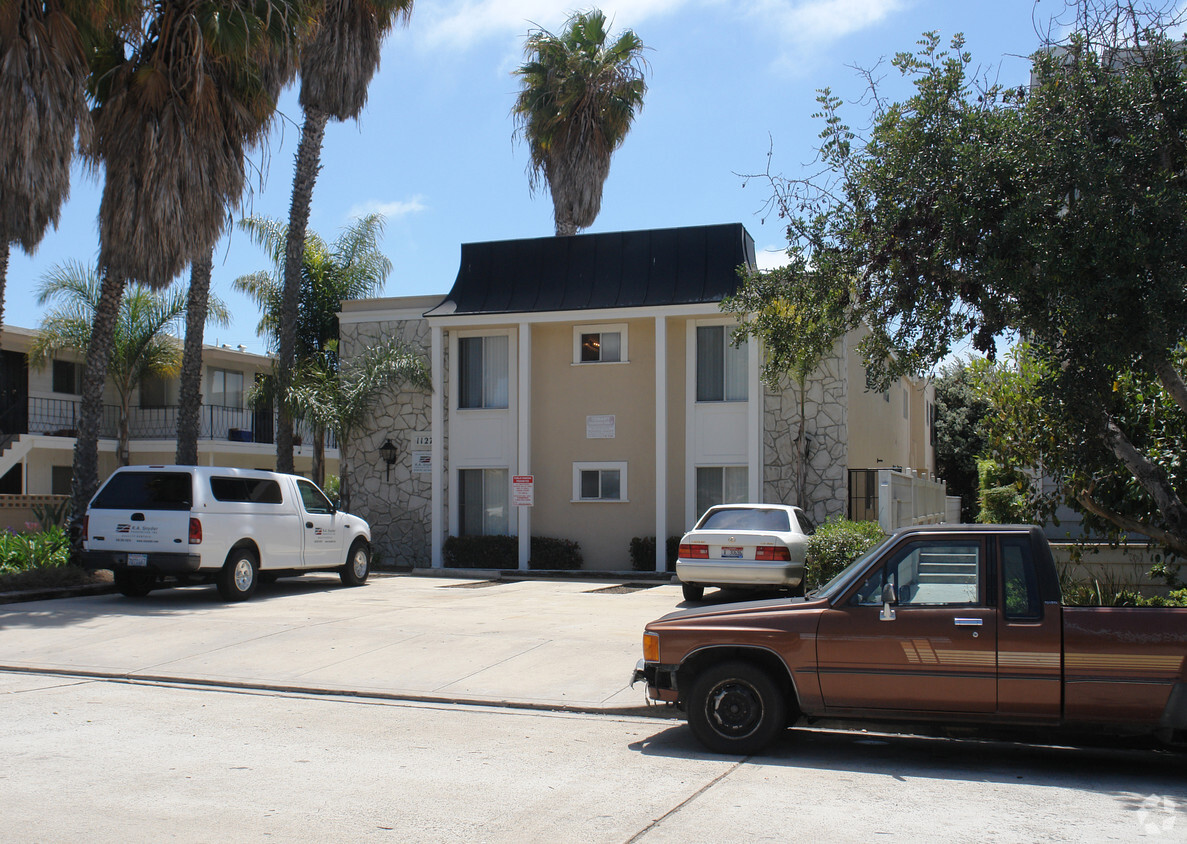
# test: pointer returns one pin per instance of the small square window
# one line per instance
(67, 377)
(599, 481)
(599, 344)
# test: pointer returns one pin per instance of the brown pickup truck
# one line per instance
(940, 624)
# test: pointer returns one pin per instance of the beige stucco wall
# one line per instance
(563, 395)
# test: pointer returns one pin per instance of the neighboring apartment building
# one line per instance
(39, 406)
(601, 366)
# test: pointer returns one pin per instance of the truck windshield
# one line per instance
(145, 491)
(838, 583)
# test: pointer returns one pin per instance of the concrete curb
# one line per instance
(49, 593)
(655, 711)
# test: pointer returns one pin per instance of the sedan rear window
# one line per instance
(255, 490)
(146, 491)
(746, 518)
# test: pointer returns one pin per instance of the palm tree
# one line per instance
(181, 95)
(43, 71)
(352, 267)
(142, 342)
(337, 64)
(344, 402)
(579, 98)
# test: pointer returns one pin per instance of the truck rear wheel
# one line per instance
(735, 707)
(239, 576)
(358, 564)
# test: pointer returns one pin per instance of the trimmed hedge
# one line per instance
(502, 552)
(643, 553)
(836, 544)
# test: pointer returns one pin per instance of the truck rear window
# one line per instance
(146, 491)
(256, 490)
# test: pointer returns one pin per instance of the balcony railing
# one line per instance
(58, 417)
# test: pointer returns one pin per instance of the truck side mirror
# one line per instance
(888, 598)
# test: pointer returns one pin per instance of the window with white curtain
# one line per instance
(482, 372)
(483, 502)
(226, 388)
(721, 367)
(721, 485)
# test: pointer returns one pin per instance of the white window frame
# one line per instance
(600, 466)
(619, 328)
(456, 373)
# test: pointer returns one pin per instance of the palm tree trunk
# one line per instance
(123, 451)
(308, 165)
(190, 399)
(86, 447)
(4, 247)
(318, 474)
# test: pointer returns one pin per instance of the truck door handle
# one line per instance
(309, 524)
(969, 622)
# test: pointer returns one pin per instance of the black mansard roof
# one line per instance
(635, 269)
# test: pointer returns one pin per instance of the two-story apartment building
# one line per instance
(39, 406)
(601, 368)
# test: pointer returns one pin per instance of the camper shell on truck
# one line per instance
(155, 525)
(940, 624)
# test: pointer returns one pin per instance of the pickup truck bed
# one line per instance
(950, 624)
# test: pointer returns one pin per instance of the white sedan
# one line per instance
(744, 545)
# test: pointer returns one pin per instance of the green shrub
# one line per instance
(1002, 502)
(49, 548)
(836, 544)
(643, 553)
(550, 554)
(502, 552)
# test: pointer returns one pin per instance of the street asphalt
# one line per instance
(548, 644)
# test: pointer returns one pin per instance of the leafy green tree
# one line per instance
(142, 342)
(352, 267)
(1054, 211)
(579, 98)
(799, 322)
(338, 60)
(960, 438)
(181, 93)
(345, 401)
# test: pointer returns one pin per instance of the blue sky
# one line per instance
(434, 152)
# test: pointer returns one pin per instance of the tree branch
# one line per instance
(1170, 540)
(1149, 476)
(1172, 381)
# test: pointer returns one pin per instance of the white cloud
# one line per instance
(771, 256)
(390, 210)
(816, 23)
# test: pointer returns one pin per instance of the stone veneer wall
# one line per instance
(398, 509)
(828, 457)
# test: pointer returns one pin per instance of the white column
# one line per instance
(661, 443)
(437, 426)
(525, 437)
(754, 418)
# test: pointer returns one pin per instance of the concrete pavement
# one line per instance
(568, 645)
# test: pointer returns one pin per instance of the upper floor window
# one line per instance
(226, 388)
(482, 372)
(156, 391)
(599, 344)
(68, 377)
(721, 367)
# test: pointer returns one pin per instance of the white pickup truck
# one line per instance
(196, 524)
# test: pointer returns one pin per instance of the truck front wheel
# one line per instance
(735, 707)
(239, 576)
(358, 564)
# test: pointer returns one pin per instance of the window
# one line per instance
(933, 574)
(61, 479)
(721, 367)
(313, 500)
(1021, 585)
(721, 485)
(482, 372)
(68, 377)
(254, 490)
(599, 481)
(226, 388)
(599, 343)
(158, 392)
(146, 491)
(483, 502)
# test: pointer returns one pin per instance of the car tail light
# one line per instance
(772, 554)
(86, 528)
(195, 532)
(691, 551)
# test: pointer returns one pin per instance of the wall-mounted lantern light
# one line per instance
(388, 452)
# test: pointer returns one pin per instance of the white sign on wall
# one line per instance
(599, 427)
(422, 462)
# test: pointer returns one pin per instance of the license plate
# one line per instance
(731, 553)
(138, 559)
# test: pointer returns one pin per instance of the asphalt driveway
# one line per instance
(549, 644)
